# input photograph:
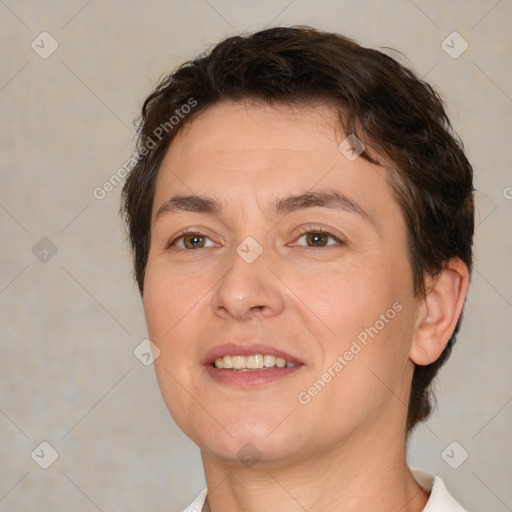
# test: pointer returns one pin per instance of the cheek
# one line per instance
(347, 298)
(171, 301)
(172, 306)
(368, 317)
(369, 365)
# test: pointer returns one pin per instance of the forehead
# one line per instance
(249, 125)
(241, 150)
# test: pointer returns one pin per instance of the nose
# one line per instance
(247, 290)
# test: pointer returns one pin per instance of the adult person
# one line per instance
(301, 217)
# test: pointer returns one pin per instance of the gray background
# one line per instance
(70, 323)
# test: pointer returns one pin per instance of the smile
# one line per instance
(251, 362)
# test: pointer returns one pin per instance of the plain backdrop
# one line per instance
(70, 314)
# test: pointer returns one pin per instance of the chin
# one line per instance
(250, 441)
(249, 453)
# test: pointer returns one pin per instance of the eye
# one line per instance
(191, 240)
(315, 237)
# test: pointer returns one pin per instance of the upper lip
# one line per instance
(233, 349)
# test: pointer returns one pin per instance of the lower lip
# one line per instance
(250, 378)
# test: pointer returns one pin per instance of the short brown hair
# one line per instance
(380, 101)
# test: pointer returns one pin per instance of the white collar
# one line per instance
(440, 499)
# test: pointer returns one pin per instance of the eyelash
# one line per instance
(302, 232)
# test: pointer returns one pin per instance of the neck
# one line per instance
(369, 474)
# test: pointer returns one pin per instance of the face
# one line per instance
(269, 243)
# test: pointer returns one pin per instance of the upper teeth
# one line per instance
(251, 362)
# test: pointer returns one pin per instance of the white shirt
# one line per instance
(440, 499)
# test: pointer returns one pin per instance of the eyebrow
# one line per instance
(189, 203)
(325, 199)
(328, 199)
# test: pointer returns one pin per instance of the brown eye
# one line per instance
(317, 239)
(192, 240)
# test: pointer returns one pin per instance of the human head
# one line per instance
(399, 118)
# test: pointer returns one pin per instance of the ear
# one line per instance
(439, 312)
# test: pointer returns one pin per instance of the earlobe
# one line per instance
(439, 312)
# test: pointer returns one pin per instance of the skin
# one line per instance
(345, 449)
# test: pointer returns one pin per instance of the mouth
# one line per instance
(251, 363)
(249, 366)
